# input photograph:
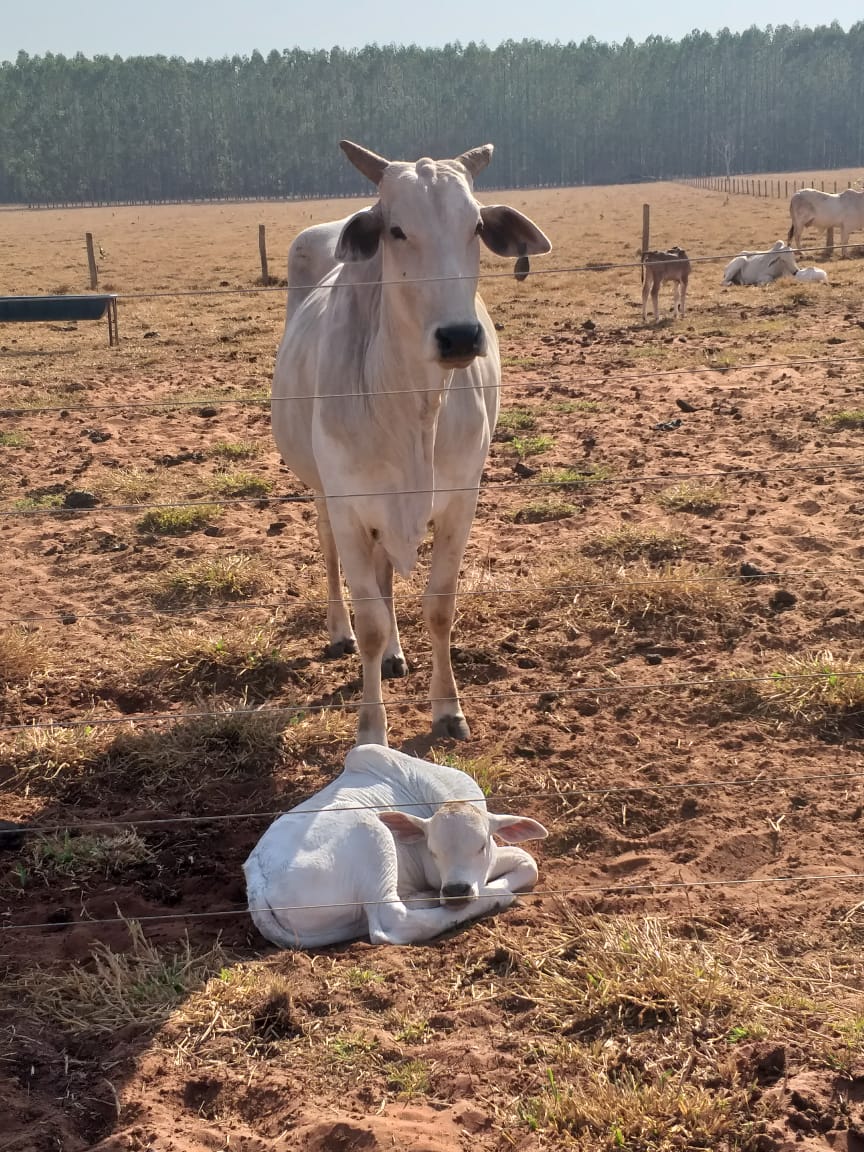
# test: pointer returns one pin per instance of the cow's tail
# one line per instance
(791, 234)
(642, 268)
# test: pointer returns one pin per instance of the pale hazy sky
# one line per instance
(202, 28)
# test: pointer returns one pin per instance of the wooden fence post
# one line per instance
(91, 260)
(262, 249)
(646, 227)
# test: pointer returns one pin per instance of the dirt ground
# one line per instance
(656, 644)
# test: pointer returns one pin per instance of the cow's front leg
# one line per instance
(452, 526)
(395, 922)
(393, 665)
(513, 869)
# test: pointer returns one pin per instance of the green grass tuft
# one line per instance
(180, 520)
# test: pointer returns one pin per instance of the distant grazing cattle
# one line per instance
(761, 267)
(810, 208)
(385, 395)
(659, 268)
(397, 848)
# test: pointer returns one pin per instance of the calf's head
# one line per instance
(427, 227)
(459, 841)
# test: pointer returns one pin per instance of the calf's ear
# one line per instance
(359, 238)
(406, 829)
(508, 233)
(514, 829)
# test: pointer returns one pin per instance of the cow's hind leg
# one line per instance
(393, 665)
(655, 302)
(452, 526)
(371, 617)
(646, 288)
(683, 298)
(339, 630)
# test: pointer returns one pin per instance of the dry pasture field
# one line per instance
(659, 645)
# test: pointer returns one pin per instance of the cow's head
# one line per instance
(427, 227)
(459, 841)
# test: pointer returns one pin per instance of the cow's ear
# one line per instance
(508, 233)
(358, 240)
(514, 829)
(406, 829)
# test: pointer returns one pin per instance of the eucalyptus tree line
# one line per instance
(150, 128)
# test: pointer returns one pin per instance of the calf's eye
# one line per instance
(397, 233)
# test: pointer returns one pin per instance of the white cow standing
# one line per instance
(397, 848)
(385, 396)
(761, 267)
(810, 208)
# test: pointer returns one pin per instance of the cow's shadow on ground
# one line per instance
(177, 890)
(149, 806)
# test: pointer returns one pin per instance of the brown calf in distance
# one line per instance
(658, 267)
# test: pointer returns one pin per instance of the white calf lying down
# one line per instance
(421, 860)
(761, 267)
(812, 275)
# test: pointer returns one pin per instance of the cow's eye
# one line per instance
(397, 233)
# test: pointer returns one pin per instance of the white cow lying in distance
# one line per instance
(395, 847)
(761, 267)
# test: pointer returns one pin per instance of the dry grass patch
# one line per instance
(239, 483)
(676, 599)
(57, 762)
(78, 857)
(642, 1033)
(22, 655)
(543, 511)
(692, 497)
(234, 450)
(210, 580)
(848, 418)
(179, 521)
(573, 479)
(489, 769)
(131, 485)
(183, 662)
(626, 544)
(819, 691)
(140, 986)
(525, 446)
(513, 420)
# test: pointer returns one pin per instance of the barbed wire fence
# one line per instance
(847, 467)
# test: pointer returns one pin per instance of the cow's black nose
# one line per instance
(456, 891)
(459, 341)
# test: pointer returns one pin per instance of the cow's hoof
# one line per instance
(340, 648)
(451, 728)
(394, 668)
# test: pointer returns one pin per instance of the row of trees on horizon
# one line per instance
(154, 128)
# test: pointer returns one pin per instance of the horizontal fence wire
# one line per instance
(775, 783)
(585, 386)
(552, 693)
(648, 888)
(593, 266)
(68, 616)
(581, 481)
